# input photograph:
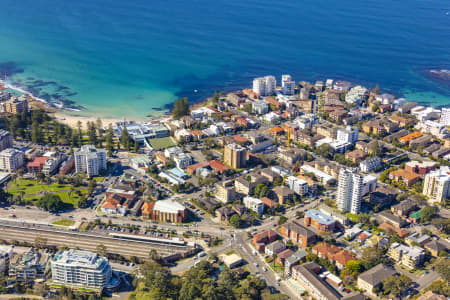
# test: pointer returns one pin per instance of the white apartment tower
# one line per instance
(264, 86)
(11, 159)
(445, 116)
(287, 85)
(90, 160)
(349, 191)
(437, 184)
(347, 135)
(80, 268)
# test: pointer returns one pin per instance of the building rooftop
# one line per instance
(168, 206)
(319, 217)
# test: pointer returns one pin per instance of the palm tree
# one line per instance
(70, 192)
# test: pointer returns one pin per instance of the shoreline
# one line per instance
(68, 115)
(72, 121)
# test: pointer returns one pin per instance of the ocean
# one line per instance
(135, 57)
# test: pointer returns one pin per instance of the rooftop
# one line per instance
(319, 217)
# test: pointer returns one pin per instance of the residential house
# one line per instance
(294, 260)
(261, 239)
(408, 256)
(372, 278)
(408, 178)
(436, 246)
(355, 156)
(298, 233)
(283, 194)
(283, 255)
(274, 248)
(224, 213)
(334, 254)
(404, 208)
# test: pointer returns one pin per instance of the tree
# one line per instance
(180, 108)
(82, 202)
(376, 90)
(215, 97)
(236, 221)
(325, 150)
(153, 255)
(101, 250)
(443, 268)
(50, 202)
(282, 220)
(428, 213)
(136, 146)
(125, 139)
(353, 267)
(392, 285)
(40, 242)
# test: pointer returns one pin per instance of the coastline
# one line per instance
(72, 121)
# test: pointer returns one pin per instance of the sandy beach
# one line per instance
(72, 121)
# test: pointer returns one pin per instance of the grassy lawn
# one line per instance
(64, 222)
(32, 187)
(162, 143)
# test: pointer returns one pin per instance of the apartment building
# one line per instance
(254, 204)
(299, 186)
(287, 85)
(264, 86)
(437, 184)
(235, 156)
(410, 257)
(90, 160)
(347, 135)
(80, 268)
(11, 159)
(6, 140)
(225, 192)
(349, 193)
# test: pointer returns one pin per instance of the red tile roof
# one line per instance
(218, 166)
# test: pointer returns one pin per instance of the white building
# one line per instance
(437, 184)
(445, 116)
(202, 112)
(90, 160)
(324, 177)
(271, 117)
(183, 160)
(425, 113)
(260, 107)
(356, 94)
(349, 191)
(254, 204)
(369, 184)
(299, 186)
(287, 85)
(370, 164)
(347, 135)
(11, 159)
(171, 152)
(264, 86)
(307, 121)
(80, 268)
(434, 128)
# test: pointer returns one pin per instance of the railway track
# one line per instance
(87, 241)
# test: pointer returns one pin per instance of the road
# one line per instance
(423, 280)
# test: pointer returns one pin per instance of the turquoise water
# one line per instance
(135, 57)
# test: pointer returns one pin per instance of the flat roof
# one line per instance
(319, 217)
